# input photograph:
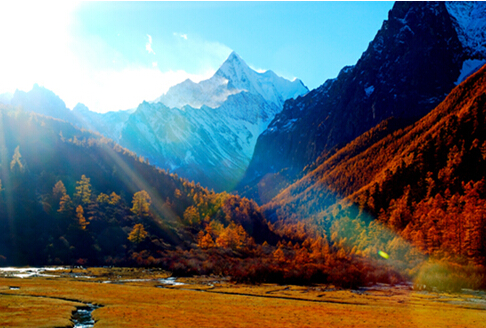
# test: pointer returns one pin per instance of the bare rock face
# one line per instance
(417, 57)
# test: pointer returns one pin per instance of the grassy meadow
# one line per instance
(209, 302)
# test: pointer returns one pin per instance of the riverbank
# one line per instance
(146, 298)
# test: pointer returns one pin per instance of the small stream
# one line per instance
(82, 316)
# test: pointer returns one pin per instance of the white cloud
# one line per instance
(154, 64)
(36, 39)
(148, 45)
(183, 36)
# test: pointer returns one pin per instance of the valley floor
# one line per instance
(146, 298)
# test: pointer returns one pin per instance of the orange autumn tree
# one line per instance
(141, 203)
(234, 237)
(138, 234)
(80, 217)
(83, 189)
(59, 190)
(205, 241)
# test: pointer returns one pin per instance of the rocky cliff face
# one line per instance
(415, 60)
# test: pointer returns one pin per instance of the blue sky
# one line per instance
(113, 55)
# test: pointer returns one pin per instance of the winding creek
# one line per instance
(82, 317)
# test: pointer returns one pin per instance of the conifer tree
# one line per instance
(114, 198)
(83, 189)
(141, 203)
(191, 216)
(80, 217)
(59, 190)
(65, 204)
(16, 164)
(138, 234)
(103, 198)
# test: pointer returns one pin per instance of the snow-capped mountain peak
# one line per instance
(269, 85)
(235, 70)
(232, 77)
(207, 131)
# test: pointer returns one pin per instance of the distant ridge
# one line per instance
(203, 131)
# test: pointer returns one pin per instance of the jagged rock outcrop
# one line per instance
(420, 53)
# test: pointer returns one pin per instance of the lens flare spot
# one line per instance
(383, 254)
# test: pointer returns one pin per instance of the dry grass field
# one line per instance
(205, 302)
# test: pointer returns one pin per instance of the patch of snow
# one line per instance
(124, 280)
(289, 124)
(347, 69)
(406, 28)
(402, 20)
(469, 67)
(369, 90)
(470, 24)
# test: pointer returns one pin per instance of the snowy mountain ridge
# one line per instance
(469, 19)
(234, 76)
(207, 131)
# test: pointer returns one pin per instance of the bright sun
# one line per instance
(36, 35)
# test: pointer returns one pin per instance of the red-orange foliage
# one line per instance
(426, 182)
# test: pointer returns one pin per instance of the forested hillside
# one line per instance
(70, 196)
(425, 183)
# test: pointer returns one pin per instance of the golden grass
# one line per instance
(141, 304)
(25, 311)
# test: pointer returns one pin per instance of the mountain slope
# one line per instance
(414, 61)
(69, 196)
(207, 131)
(109, 124)
(42, 101)
(203, 131)
(426, 182)
(66, 195)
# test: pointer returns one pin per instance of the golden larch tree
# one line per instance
(80, 217)
(83, 189)
(141, 203)
(138, 234)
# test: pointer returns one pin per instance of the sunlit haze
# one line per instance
(114, 55)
